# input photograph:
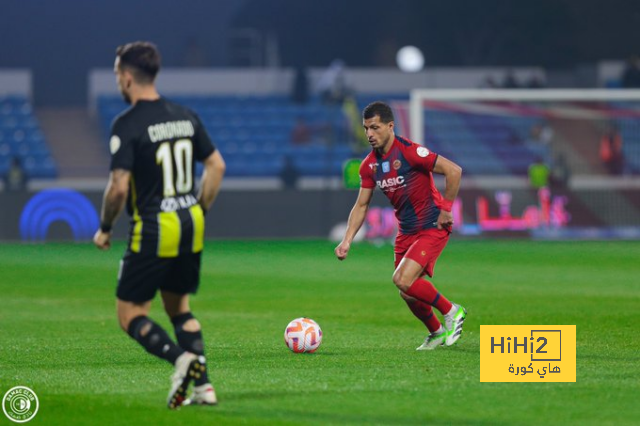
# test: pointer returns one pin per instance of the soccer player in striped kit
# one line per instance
(403, 171)
(154, 146)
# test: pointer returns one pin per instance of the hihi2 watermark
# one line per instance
(528, 353)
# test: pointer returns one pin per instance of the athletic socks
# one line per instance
(190, 341)
(424, 313)
(154, 339)
(424, 291)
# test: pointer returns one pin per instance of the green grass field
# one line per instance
(59, 336)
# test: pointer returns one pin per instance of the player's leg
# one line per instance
(424, 312)
(186, 326)
(407, 277)
(140, 277)
(189, 335)
(421, 258)
(183, 279)
(420, 309)
(134, 320)
(151, 336)
(138, 281)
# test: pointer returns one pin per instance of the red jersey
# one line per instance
(404, 175)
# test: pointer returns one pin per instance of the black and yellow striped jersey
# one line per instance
(159, 142)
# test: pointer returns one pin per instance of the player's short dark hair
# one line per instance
(380, 109)
(142, 59)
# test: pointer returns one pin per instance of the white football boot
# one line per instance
(202, 395)
(453, 323)
(433, 340)
(183, 375)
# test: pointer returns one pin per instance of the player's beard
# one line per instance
(126, 97)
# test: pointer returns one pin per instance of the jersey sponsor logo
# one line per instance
(385, 167)
(114, 144)
(397, 164)
(422, 151)
(172, 204)
(391, 184)
(171, 130)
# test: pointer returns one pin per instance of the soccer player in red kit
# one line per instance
(403, 171)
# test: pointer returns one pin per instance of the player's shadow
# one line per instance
(321, 354)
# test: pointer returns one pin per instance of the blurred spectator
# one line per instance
(535, 82)
(510, 81)
(489, 83)
(539, 141)
(289, 174)
(353, 122)
(300, 87)
(631, 74)
(560, 172)
(15, 180)
(332, 85)
(301, 133)
(611, 153)
(538, 174)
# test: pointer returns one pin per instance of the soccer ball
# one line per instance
(303, 335)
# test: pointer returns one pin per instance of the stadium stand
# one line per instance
(22, 138)
(255, 133)
(483, 144)
(628, 127)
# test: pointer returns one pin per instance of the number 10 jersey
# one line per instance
(159, 142)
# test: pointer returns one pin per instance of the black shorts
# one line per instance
(141, 275)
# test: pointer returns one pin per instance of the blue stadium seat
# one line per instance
(5, 163)
(483, 144)
(20, 137)
(253, 132)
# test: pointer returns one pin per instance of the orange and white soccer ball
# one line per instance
(303, 335)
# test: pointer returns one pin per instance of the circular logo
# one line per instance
(397, 164)
(114, 144)
(20, 404)
(422, 151)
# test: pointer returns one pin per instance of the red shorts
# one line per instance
(423, 247)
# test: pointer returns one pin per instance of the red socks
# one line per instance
(425, 292)
(424, 313)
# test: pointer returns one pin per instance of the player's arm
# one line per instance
(452, 176)
(356, 219)
(214, 168)
(115, 197)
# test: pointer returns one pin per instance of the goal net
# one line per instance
(549, 163)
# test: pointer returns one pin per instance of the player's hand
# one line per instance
(102, 240)
(342, 250)
(445, 220)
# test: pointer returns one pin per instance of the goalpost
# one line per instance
(586, 142)
(418, 96)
